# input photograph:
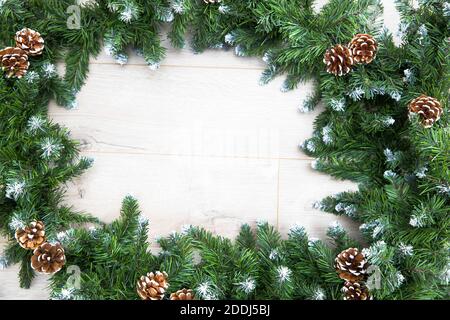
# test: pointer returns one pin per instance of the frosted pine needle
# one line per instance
(284, 274)
(177, 6)
(318, 294)
(336, 229)
(350, 210)
(378, 229)
(444, 189)
(327, 137)
(389, 174)
(3, 260)
(167, 16)
(304, 108)
(418, 220)
(14, 189)
(423, 31)
(239, 51)
(408, 76)
(230, 38)
(273, 254)
(396, 95)
(224, 9)
(186, 229)
(35, 123)
(376, 252)
(446, 9)
(298, 230)
(318, 205)
(50, 148)
(66, 294)
(391, 156)
(153, 65)
(49, 70)
(206, 292)
(16, 222)
(112, 7)
(388, 121)
(247, 285)
(121, 59)
(337, 104)
(356, 94)
(406, 250)
(128, 14)
(267, 57)
(421, 172)
(399, 279)
(31, 76)
(309, 145)
(313, 241)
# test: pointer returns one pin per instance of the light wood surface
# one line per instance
(196, 142)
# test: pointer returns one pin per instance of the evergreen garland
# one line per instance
(364, 135)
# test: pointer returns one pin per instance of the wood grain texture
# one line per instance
(196, 142)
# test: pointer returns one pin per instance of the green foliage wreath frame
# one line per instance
(364, 135)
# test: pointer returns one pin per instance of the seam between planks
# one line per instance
(180, 66)
(144, 153)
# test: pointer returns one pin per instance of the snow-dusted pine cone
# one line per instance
(364, 48)
(339, 60)
(351, 265)
(183, 294)
(32, 236)
(14, 61)
(48, 258)
(153, 286)
(355, 291)
(30, 41)
(428, 108)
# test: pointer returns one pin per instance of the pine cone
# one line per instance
(351, 265)
(14, 61)
(428, 108)
(183, 294)
(30, 41)
(355, 291)
(364, 48)
(338, 60)
(152, 286)
(48, 258)
(32, 236)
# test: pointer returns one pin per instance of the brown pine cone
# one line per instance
(364, 48)
(428, 108)
(153, 286)
(30, 41)
(339, 60)
(351, 265)
(32, 236)
(14, 61)
(356, 291)
(183, 294)
(48, 258)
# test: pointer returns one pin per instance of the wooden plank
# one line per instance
(215, 193)
(300, 187)
(9, 283)
(178, 111)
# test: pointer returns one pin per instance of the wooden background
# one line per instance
(196, 142)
